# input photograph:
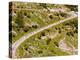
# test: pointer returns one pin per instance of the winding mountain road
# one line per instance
(23, 38)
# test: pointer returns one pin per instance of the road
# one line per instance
(23, 38)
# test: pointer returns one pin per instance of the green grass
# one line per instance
(20, 52)
(33, 18)
(41, 45)
(44, 49)
(71, 41)
(35, 46)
